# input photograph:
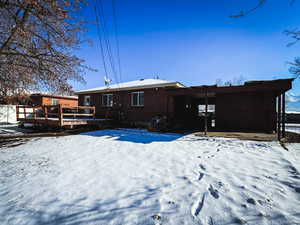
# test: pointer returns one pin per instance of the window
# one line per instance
(137, 98)
(87, 100)
(211, 114)
(201, 109)
(54, 101)
(107, 100)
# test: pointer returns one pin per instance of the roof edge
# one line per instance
(177, 84)
(54, 96)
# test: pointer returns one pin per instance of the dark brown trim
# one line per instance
(283, 115)
(279, 117)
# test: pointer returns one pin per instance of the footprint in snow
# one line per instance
(239, 221)
(213, 192)
(198, 206)
(202, 167)
(211, 221)
(171, 203)
(220, 184)
(156, 217)
(293, 170)
(291, 185)
(201, 175)
(297, 177)
(186, 179)
(251, 201)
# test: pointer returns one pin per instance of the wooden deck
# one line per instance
(57, 115)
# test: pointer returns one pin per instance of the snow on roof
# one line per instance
(292, 112)
(142, 83)
(55, 95)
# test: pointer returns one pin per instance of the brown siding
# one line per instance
(155, 103)
(62, 101)
(246, 111)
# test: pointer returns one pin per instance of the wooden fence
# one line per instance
(53, 114)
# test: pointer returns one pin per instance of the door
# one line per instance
(87, 102)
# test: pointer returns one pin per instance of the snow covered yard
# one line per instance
(137, 177)
(9, 129)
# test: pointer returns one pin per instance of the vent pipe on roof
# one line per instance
(107, 81)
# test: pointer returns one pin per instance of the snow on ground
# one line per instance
(9, 129)
(293, 127)
(137, 177)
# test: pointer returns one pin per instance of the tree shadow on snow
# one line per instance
(81, 211)
(134, 135)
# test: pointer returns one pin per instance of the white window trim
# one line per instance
(111, 103)
(84, 100)
(138, 101)
(54, 100)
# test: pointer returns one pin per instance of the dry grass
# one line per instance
(241, 135)
(291, 137)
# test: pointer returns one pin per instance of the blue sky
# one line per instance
(195, 41)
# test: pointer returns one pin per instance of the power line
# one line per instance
(116, 37)
(107, 42)
(100, 39)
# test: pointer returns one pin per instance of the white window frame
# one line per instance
(110, 104)
(54, 101)
(138, 99)
(85, 101)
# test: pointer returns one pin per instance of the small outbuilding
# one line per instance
(48, 99)
(40, 99)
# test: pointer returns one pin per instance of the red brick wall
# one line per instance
(155, 102)
(251, 111)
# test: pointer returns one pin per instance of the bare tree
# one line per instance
(294, 34)
(239, 80)
(242, 13)
(219, 82)
(37, 41)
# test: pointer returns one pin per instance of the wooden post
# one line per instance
(46, 113)
(205, 119)
(94, 112)
(77, 111)
(60, 115)
(17, 112)
(283, 115)
(279, 117)
(34, 112)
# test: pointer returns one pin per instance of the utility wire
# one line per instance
(100, 39)
(107, 42)
(116, 37)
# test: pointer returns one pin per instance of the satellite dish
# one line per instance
(107, 81)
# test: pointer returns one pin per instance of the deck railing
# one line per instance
(48, 112)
